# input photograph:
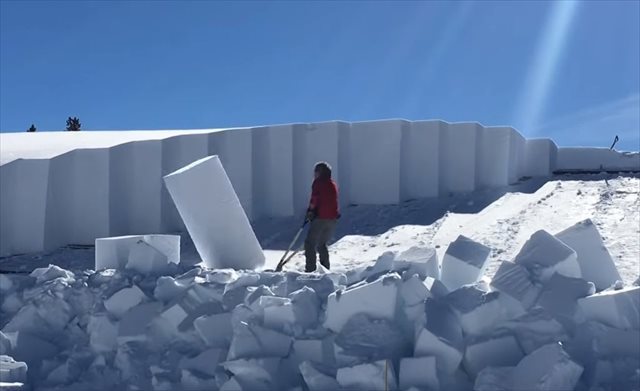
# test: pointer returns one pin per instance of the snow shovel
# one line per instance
(286, 259)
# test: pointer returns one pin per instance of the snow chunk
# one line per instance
(497, 351)
(535, 329)
(464, 262)
(378, 375)
(615, 308)
(494, 379)
(514, 281)
(30, 348)
(479, 311)
(146, 259)
(103, 334)
(51, 272)
(214, 216)
(114, 252)
(306, 307)
(544, 255)
(547, 368)
(376, 299)
(168, 288)
(12, 371)
(441, 337)
(123, 300)
(422, 261)
(363, 336)
(215, 330)
(560, 298)
(413, 293)
(418, 372)
(251, 341)
(134, 323)
(316, 380)
(205, 363)
(314, 350)
(596, 264)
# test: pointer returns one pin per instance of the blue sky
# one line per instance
(564, 70)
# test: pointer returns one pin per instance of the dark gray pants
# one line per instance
(320, 232)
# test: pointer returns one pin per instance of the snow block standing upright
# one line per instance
(323, 214)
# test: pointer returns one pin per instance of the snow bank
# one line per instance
(213, 215)
(596, 159)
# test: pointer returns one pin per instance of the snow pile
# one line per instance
(538, 325)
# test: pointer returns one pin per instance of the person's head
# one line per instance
(322, 170)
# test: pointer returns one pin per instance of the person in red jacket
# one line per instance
(323, 214)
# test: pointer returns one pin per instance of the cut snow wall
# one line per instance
(420, 159)
(459, 157)
(501, 151)
(596, 159)
(541, 155)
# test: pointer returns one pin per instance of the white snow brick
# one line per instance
(306, 307)
(544, 255)
(103, 334)
(316, 380)
(145, 259)
(494, 379)
(12, 371)
(441, 337)
(495, 351)
(123, 300)
(615, 308)
(596, 264)
(535, 329)
(547, 368)
(253, 341)
(464, 262)
(422, 261)
(513, 281)
(213, 215)
(479, 311)
(418, 372)
(278, 312)
(113, 252)
(375, 147)
(205, 362)
(376, 299)
(376, 376)
(51, 272)
(215, 330)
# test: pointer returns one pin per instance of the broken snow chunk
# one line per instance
(535, 329)
(377, 375)
(5, 344)
(306, 307)
(192, 382)
(615, 308)
(441, 337)
(479, 311)
(543, 254)
(278, 313)
(204, 363)
(51, 272)
(30, 348)
(168, 288)
(364, 336)
(316, 380)
(547, 368)
(596, 264)
(123, 300)
(253, 341)
(115, 252)
(418, 372)
(422, 261)
(436, 287)
(464, 262)
(315, 350)
(146, 259)
(174, 315)
(376, 299)
(514, 281)
(103, 334)
(495, 351)
(12, 371)
(413, 293)
(494, 379)
(254, 374)
(215, 330)
(134, 323)
(560, 296)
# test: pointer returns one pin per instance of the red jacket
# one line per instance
(324, 198)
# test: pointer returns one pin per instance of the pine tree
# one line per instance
(73, 124)
(32, 128)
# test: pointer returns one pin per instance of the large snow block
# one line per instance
(615, 308)
(422, 261)
(135, 187)
(560, 298)
(420, 159)
(596, 264)
(78, 197)
(113, 253)
(499, 150)
(459, 157)
(495, 351)
(513, 281)
(464, 262)
(419, 372)
(23, 202)
(544, 255)
(253, 341)
(12, 371)
(479, 311)
(312, 143)
(177, 152)
(547, 368)
(376, 299)
(441, 337)
(234, 147)
(213, 215)
(272, 164)
(540, 157)
(378, 375)
(374, 152)
(596, 159)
